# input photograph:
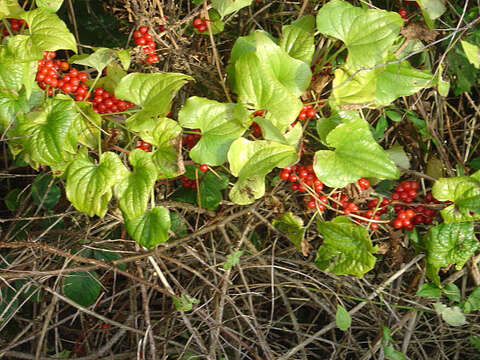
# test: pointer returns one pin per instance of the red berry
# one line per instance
(429, 212)
(302, 116)
(152, 58)
(202, 28)
(284, 175)
(311, 204)
(395, 196)
(292, 178)
(374, 226)
(403, 13)
(137, 34)
(412, 194)
(363, 183)
(143, 29)
(323, 199)
(311, 113)
(197, 22)
(410, 213)
(204, 167)
(372, 204)
(397, 224)
(418, 219)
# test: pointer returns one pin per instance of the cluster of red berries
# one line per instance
(406, 191)
(48, 73)
(15, 26)
(143, 145)
(143, 38)
(257, 130)
(190, 140)
(404, 219)
(200, 24)
(299, 176)
(307, 112)
(105, 102)
(189, 183)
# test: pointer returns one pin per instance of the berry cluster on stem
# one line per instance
(142, 37)
(200, 24)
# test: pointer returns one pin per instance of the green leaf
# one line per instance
(14, 73)
(343, 318)
(225, 7)
(13, 199)
(382, 125)
(353, 87)
(270, 132)
(165, 137)
(45, 192)
(50, 5)
(9, 304)
(152, 92)
(23, 49)
(429, 291)
(251, 161)
(451, 315)
(89, 185)
(82, 287)
(12, 102)
(392, 354)
(108, 255)
(10, 9)
(50, 136)
(393, 115)
(367, 33)
(48, 32)
(475, 341)
(151, 228)
(452, 292)
(292, 226)
(232, 260)
(115, 73)
(451, 214)
(297, 39)
(399, 156)
(473, 301)
(178, 226)
(210, 190)
(401, 79)
(357, 155)
(134, 190)
(431, 9)
(450, 244)
(220, 125)
(99, 59)
(184, 302)
(346, 248)
(88, 125)
(472, 52)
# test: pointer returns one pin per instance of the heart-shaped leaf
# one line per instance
(15, 73)
(251, 161)
(165, 137)
(151, 228)
(10, 9)
(346, 248)
(357, 155)
(292, 226)
(225, 7)
(99, 59)
(133, 192)
(297, 39)
(152, 92)
(89, 186)
(220, 125)
(12, 102)
(82, 287)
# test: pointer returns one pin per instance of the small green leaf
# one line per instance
(452, 292)
(88, 125)
(220, 125)
(432, 9)
(210, 190)
(152, 92)
(232, 260)
(178, 226)
(382, 125)
(292, 226)
(12, 199)
(343, 318)
(165, 137)
(272, 133)
(50, 5)
(297, 39)
(108, 255)
(346, 248)
(184, 302)
(451, 315)
(45, 192)
(392, 354)
(475, 341)
(82, 287)
(393, 115)
(134, 190)
(399, 156)
(151, 228)
(251, 161)
(226, 7)
(99, 59)
(12, 102)
(472, 52)
(115, 73)
(48, 32)
(429, 291)
(10, 9)
(473, 301)
(357, 155)
(89, 186)
(450, 244)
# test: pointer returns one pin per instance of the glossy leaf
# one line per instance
(292, 226)
(449, 244)
(356, 155)
(99, 59)
(15, 73)
(152, 92)
(251, 161)
(346, 248)
(88, 125)
(297, 39)
(226, 7)
(50, 136)
(115, 73)
(50, 5)
(165, 137)
(23, 49)
(134, 190)
(451, 315)
(219, 123)
(9, 9)
(473, 301)
(210, 190)
(48, 32)
(343, 318)
(367, 33)
(429, 290)
(12, 102)
(355, 87)
(452, 292)
(269, 132)
(89, 186)
(82, 287)
(472, 52)
(432, 9)
(151, 228)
